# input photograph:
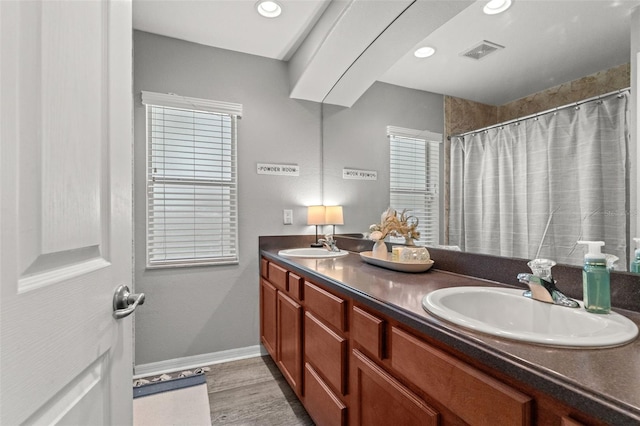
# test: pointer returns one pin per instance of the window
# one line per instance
(414, 178)
(192, 213)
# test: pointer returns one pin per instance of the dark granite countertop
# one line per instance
(604, 383)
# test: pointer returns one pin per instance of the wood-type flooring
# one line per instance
(252, 392)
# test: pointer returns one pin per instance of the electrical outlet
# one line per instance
(288, 217)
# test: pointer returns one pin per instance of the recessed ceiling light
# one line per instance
(268, 8)
(424, 52)
(494, 7)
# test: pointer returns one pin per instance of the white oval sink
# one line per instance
(312, 253)
(506, 313)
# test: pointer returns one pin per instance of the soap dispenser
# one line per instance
(595, 279)
(635, 263)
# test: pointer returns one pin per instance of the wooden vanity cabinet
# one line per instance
(378, 397)
(350, 364)
(432, 386)
(281, 320)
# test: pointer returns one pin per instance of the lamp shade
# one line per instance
(333, 215)
(315, 215)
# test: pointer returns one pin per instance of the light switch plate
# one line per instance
(288, 217)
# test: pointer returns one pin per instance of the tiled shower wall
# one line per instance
(462, 115)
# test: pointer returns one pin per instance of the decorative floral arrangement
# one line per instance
(395, 225)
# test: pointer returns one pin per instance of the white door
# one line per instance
(65, 211)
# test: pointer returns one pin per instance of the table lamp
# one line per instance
(333, 216)
(316, 216)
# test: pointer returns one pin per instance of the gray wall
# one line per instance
(194, 311)
(356, 138)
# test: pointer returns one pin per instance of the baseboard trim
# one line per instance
(176, 364)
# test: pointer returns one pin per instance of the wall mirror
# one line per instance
(540, 45)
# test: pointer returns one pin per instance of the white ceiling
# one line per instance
(230, 24)
(547, 42)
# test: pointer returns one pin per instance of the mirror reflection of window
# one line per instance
(414, 175)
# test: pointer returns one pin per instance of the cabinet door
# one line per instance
(268, 331)
(382, 400)
(290, 340)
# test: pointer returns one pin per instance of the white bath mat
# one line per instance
(182, 401)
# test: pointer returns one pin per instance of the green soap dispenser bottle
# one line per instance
(595, 279)
(635, 263)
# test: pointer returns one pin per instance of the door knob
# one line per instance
(125, 302)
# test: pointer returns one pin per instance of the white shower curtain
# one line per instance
(565, 170)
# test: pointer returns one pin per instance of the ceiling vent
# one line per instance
(481, 50)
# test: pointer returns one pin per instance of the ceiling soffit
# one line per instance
(343, 32)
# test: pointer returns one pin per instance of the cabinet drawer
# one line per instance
(295, 286)
(264, 268)
(278, 276)
(368, 331)
(326, 351)
(394, 403)
(470, 394)
(324, 407)
(330, 308)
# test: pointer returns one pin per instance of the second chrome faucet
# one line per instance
(542, 286)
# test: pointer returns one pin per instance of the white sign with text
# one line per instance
(359, 174)
(278, 169)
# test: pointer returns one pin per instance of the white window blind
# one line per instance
(192, 213)
(414, 178)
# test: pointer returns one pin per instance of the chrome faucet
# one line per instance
(329, 243)
(542, 286)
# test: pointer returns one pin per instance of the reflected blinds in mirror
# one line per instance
(566, 170)
(414, 178)
(191, 185)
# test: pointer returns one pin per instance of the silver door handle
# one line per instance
(125, 302)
